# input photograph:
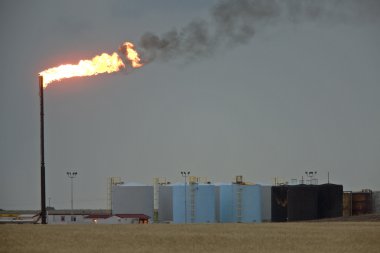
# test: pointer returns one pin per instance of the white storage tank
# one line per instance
(266, 203)
(132, 198)
(376, 202)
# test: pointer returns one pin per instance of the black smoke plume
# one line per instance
(234, 22)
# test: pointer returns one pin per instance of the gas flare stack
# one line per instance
(43, 192)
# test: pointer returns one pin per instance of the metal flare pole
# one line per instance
(43, 191)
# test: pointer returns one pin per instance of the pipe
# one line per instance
(43, 191)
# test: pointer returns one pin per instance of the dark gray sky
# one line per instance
(301, 94)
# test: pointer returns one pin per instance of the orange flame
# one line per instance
(100, 64)
(103, 63)
(132, 55)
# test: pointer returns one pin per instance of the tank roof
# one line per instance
(132, 184)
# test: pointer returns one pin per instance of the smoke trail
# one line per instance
(233, 22)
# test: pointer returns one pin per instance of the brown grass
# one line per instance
(268, 237)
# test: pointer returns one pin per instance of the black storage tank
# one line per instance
(280, 203)
(330, 201)
(302, 202)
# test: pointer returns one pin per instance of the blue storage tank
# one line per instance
(239, 203)
(199, 201)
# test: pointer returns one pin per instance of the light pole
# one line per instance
(72, 175)
(185, 174)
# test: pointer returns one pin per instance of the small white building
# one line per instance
(117, 219)
(94, 217)
(71, 217)
(65, 219)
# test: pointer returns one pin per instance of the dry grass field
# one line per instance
(267, 237)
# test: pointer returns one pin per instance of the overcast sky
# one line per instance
(301, 94)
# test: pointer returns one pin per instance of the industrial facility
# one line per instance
(197, 200)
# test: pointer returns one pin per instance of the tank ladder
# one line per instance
(239, 203)
(192, 201)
